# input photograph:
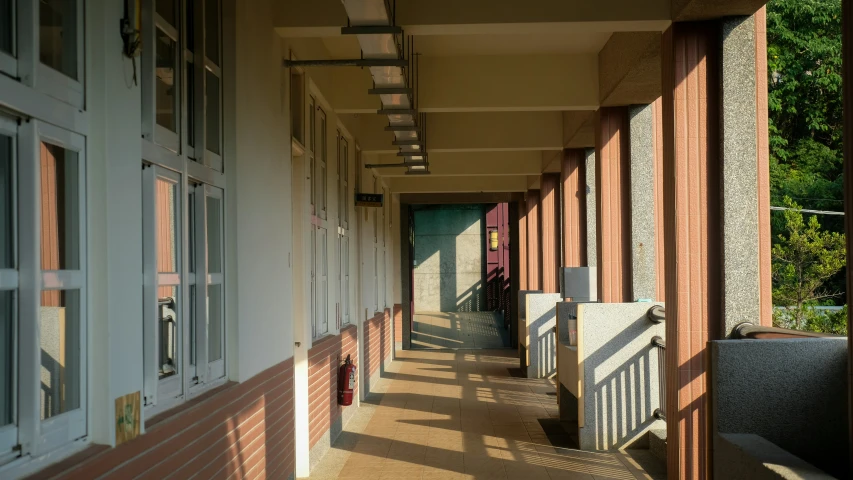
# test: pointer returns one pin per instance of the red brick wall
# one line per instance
(398, 323)
(324, 359)
(377, 341)
(244, 429)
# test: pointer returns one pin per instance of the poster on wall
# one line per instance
(127, 417)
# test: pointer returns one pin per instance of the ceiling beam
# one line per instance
(693, 10)
(435, 184)
(629, 68)
(462, 132)
(321, 18)
(470, 164)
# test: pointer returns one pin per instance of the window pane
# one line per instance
(211, 30)
(59, 336)
(6, 22)
(214, 236)
(167, 226)
(167, 330)
(6, 208)
(58, 35)
(60, 229)
(189, 19)
(192, 320)
(214, 323)
(166, 10)
(211, 112)
(167, 113)
(7, 357)
(192, 235)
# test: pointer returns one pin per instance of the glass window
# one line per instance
(7, 357)
(60, 235)
(214, 323)
(211, 30)
(6, 26)
(7, 209)
(167, 226)
(166, 10)
(189, 21)
(212, 112)
(167, 330)
(214, 241)
(59, 338)
(58, 35)
(167, 99)
(190, 80)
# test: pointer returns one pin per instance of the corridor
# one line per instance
(474, 330)
(461, 415)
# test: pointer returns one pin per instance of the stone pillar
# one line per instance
(643, 170)
(573, 188)
(522, 245)
(549, 219)
(689, 59)
(742, 241)
(847, 72)
(534, 245)
(612, 178)
(590, 211)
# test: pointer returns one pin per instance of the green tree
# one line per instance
(804, 259)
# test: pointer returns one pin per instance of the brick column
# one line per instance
(573, 189)
(847, 72)
(534, 242)
(612, 179)
(522, 245)
(549, 218)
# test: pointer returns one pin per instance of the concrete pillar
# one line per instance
(534, 245)
(522, 245)
(591, 213)
(715, 170)
(644, 174)
(847, 72)
(549, 219)
(612, 177)
(573, 189)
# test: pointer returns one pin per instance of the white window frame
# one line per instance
(321, 163)
(199, 177)
(39, 436)
(9, 60)
(9, 281)
(39, 76)
(151, 22)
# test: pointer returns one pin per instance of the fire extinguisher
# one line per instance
(346, 382)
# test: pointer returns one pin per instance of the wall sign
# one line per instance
(368, 200)
(127, 417)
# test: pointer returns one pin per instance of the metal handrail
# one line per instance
(660, 344)
(656, 314)
(747, 330)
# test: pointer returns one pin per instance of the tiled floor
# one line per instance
(459, 330)
(459, 415)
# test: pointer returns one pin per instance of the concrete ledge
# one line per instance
(751, 457)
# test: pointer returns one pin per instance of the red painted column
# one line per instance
(550, 222)
(573, 188)
(534, 246)
(522, 245)
(612, 178)
(692, 209)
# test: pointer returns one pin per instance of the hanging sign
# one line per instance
(368, 200)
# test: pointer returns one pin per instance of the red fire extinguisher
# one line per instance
(346, 382)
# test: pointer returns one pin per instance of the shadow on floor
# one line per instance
(469, 330)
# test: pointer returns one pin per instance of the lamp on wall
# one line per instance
(493, 240)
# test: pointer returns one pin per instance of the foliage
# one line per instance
(804, 259)
(805, 111)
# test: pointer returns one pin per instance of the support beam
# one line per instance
(591, 208)
(579, 129)
(321, 18)
(466, 131)
(629, 69)
(457, 184)
(492, 83)
(612, 178)
(534, 242)
(692, 10)
(573, 189)
(470, 164)
(549, 220)
(522, 244)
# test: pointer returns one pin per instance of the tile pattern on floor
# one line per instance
(459, 330)
(459, 415)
